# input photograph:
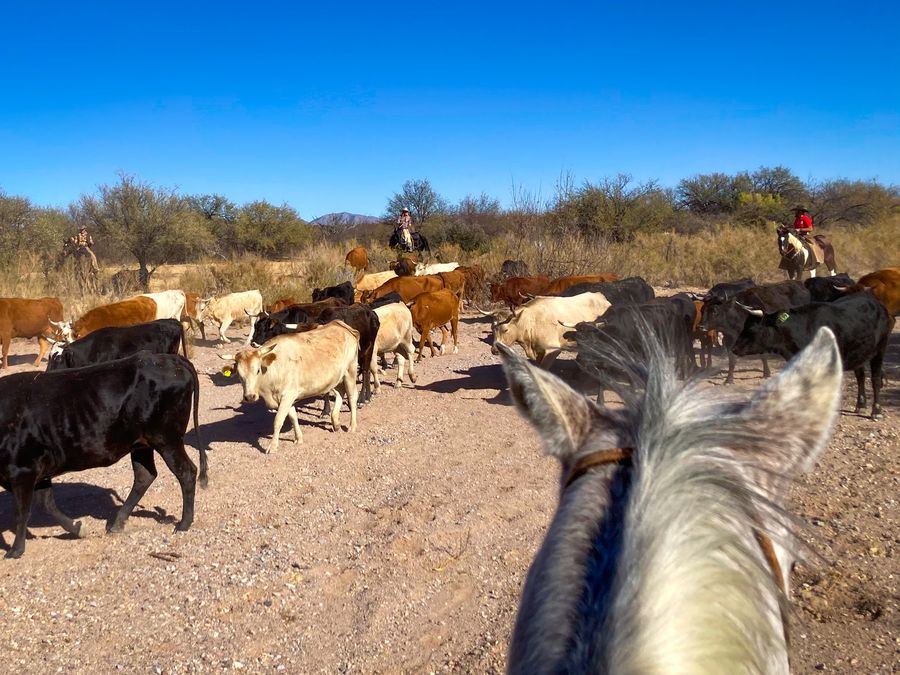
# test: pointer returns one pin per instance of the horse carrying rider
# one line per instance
(404, 226)
(84, 242)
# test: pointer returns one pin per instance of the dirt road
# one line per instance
(399, 548)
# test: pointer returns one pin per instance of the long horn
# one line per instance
(749, 310)
(226, 357)
(292, 326)
(57, 324)
(252, 316)
(481, 311)
(566, 325)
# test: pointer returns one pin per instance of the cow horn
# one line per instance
(481, 311)
(265, 349)
(292, 326)
(749, 310)
(57, 324)
(252, 316)
(226, 357)
(842, 289)
(566, 325)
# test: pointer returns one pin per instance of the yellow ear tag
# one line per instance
(784, 316)
(226, 371)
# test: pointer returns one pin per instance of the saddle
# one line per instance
(814, 247)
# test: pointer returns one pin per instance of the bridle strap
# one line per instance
(599, 458)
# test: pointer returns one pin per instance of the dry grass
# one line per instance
(693, 260)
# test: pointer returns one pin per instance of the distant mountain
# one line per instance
(344, 219)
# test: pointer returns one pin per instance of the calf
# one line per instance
(404, 267)
(232, 307)
(92, 417)
(295, 366)
(435, 310)
(26, 318)
(357, 258)
(516, 291)
(625, 291)
(162, 336)
(727, 317)
(342, 292)
(395, 334)
(861, 326)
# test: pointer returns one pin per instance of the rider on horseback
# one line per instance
(84, 242)
(803, 227)
(404, 226)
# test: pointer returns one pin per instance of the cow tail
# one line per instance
(184, 341)
(203, 478)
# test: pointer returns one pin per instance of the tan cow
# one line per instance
(139, 309)
(538, 325)
(295, 366)
(169, 304)
(230, 308)
(435, 310)
(395, 334)
(190, 317)
(27, 318)
(372, 281)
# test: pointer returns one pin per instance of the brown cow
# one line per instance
(190, 315)
(557, 286)
(885, 285)
(27, 318)
(404, 267)
(435, 310)
(518, 290)
(474, 282)
(357, 258)
(456, 282)
(280, 304)
(707, 338)
(140, 309)
(407, 287)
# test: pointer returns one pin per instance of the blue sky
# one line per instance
(331, 109)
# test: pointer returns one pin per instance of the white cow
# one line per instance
(538, 324)
(227, 309)
(395, 334)
(436, 268)
(296, 366)
(169, 304)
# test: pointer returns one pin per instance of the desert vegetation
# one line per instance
(707, 228)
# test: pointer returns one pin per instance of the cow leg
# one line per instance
(6, 342)
(732, 360)
(445, 338)
(860, 389)
(549, 358)
(176, 458)
(44, 494)
(223, 327)
(404, 354)
(144, 474)
(454, 327)
(292, 414)
(43, 346)
(336, 412)
(352, 395)
(250, 334)
(424, 337)
(812, 273)
(22, 488)
(373, 370)
(281, 414)
(766, 371)
(877, 378)
(326, 407)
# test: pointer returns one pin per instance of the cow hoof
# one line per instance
(877, 415)
(456, 350)
(80, 530)
(182, 527)
(115, 528)
(398, 384)
(858, 410)
(14, 553)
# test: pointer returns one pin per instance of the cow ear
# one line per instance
(268, 359)
(561, 415)
(799, 407)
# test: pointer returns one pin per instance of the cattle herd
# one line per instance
(117, 385)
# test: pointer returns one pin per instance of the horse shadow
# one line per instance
(76, 500)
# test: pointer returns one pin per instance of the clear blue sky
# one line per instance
(330, 107)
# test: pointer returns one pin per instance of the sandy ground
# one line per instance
(399, 548)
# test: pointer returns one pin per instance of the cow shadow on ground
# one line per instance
(76, 500)
(250, 423)
(25, 359)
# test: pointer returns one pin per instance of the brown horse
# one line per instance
(87, 275)
(798, 257)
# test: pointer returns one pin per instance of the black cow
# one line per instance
(343, 292)
(513, 268)
(84, 418)
(861, 326)
(825, 289)
(388, 299)
(623, 328)
(728, 289)
(359, 317)
(632, 290)
(727, 317)
(162, 336)
(270, 325)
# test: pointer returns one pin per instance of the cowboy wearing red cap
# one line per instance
(803, 226)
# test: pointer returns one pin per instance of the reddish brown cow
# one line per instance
(474, 282)
(27, 318)
(435, 310)
(516, 291)
(140, 309)
(885, 285)
(557, 286)
(454, 281)
(407, 287)
(281, 304)
(190, 315)
(404, 267)
(357, 258)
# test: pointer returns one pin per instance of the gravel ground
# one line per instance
(399, 548)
